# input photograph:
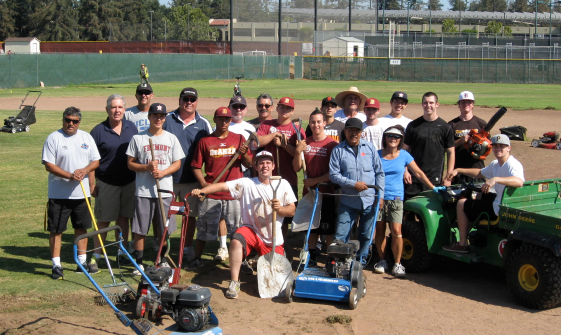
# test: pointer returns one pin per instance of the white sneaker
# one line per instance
(189, 254)
(381, 266)
(222, 254)
(136, 272)
(164, 265)
(398, 270)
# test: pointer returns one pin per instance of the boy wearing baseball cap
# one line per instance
(462, 125)
(168, 155)
(333, 128)
(373, 127)
(502, 172)
(219, 209)
(398, 103)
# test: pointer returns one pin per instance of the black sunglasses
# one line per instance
(393, 136)
(266, 106)
(71, 121)
(143, 92)
(238, 106)
(189, 99)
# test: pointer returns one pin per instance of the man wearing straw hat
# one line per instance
(70, 156)
(352, 102)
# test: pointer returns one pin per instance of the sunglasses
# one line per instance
(393, 136)
(71, 121)
(264, 106)
(188, 99)
(238, 106)
(143, 92)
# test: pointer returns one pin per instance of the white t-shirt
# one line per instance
(340, 115)
(373, 134)
(392, 121)
(257, 213)
(69, 153)
(512, 167)
(167, 150)
(239, 128)
(140, 119)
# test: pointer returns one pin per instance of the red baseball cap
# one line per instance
(372, 102)
(287, 102)
(223, 111)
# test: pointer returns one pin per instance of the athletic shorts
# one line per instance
(473, 208)
(412, 190)
(114, 201)
(250, 241)
(328, 217)
(391, 211)
(288, 220)
(211, 211)
(147, 210)
(181, 190)
(61, 209)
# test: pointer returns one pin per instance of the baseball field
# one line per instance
(451, 298)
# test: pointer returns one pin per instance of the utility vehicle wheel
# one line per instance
(27, 128)
(353, 298)
(14, 130)
(289, 292)
(141, 307)
(533, 275)
(535, 143)
(415, 256)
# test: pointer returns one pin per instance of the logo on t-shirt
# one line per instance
(272, 130)
(216, 153)
(84, 146)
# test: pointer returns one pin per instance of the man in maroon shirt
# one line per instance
(280, 133)
(214, 152)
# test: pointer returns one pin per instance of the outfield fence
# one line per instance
(29, 70)
(509, 71)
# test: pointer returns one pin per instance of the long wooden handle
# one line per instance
(158, 187)
(274, 230)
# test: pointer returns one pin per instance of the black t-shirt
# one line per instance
(428, 142)
(333, 130)
(462, 128)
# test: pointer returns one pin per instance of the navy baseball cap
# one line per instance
(353, 123)
(189, 91)
(328, 100)
(144, 87)
(238, 100)
(157, 108)
(400, 95)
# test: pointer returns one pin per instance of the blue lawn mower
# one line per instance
(342, 279)
(188, 307)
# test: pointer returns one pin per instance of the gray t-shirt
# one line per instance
(167, 150)
(69, 153)
(140, 119)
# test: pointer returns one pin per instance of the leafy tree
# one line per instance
(389, 4)
(22, 9)
(489, 6)
(496, 27)
(306, 34)
(8, 22)
(434, 5)
(542, 7)
(457, 5)
(194, 29)
(55, 20)
(449, 26)
(520, 6)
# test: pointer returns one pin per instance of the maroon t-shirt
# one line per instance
(317, 156)
(286, 168)
(215, 153)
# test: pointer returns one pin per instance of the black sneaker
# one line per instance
(92, 266)
(246, 268)
(57, 273)
(79, 269)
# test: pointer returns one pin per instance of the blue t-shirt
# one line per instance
(394, 170)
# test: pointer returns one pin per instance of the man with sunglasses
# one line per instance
(70, 156)
(264, 109)
(139, 114)
(189, 127)
(238, 106)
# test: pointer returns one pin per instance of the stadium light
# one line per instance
(151, 11)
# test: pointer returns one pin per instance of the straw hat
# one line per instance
(340, 98)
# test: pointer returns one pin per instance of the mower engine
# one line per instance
(189, 308)
(549, 137)
(148, 299)
(340, 257)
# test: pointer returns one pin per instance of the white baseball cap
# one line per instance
(264, 154)
(466, 95)
(500, 139)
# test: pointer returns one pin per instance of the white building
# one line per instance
(23, 45)
(344, 46)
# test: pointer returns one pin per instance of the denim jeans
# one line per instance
(346, 217)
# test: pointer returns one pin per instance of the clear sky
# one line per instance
(164, 2)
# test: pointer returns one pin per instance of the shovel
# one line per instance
(274, 271)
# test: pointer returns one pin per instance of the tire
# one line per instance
(533, 275)
(14, 130)
(26, 129)
(535, 143)
(141, 307)
(353, 298)
(558, 146)
(415, 256)
(363, 286)
(289, 292)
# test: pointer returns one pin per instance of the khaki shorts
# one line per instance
(147, 211)
(181, 190)
(392, 211)
(211, 211)
(114, 201)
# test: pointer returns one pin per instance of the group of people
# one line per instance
(344, 148)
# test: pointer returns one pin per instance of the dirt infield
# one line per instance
(451, 298)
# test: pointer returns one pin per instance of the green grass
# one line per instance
(517, 96)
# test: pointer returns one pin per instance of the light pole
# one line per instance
(151, 24)
(384, 17)
(188, 30)
(408, 7)
(550, 12)
(430, 18)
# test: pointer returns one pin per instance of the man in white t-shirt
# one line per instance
(352, 102)
(139, 114)
(257, 205)
(398, 103)
(70, 156)
(238, 106)
(502, 172)
(373, 128)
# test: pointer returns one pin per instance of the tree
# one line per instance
(434, 5)
(22, 9)
(196, 28)
(390, 4)
(458, 5)
(8, 22)
(306, 34)
(55, 20)
(520, 6)
(449, 26)
(496, 27)
(542, 7)
(489, 6)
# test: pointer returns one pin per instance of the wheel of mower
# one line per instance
(27, 129)
(558, 145)
(415, 256)
(14, 130)
(535, 143)
(353, 298)
(363, 286)
(141, 307)
(533, 275)
(289, 292)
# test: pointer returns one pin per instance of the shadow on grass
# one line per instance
(35, 325)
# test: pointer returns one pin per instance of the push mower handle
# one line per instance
(166, 191)
(374, 187)
(96, 232)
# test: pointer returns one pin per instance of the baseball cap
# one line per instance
(144, 87)
(500, 139)
(328, 100)
(157, 108)
(353, 123)
(393, 131)
(372, 102)
(188, 91)
(237, 101)
(287, 102)
(466, 95)
(223, 111)
(264, 154)
(400, 95)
